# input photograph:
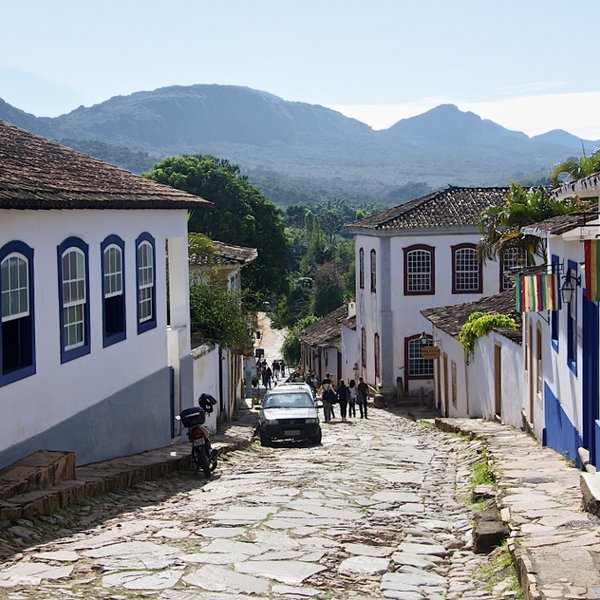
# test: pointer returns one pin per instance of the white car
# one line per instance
(289, 412)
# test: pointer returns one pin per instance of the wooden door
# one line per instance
(446, 397)
(498, 380)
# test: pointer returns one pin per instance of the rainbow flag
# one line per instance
(537, 293)
(592, 270)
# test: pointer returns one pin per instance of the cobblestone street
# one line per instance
(378, 510)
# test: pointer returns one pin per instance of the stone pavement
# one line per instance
(556, 545)
(121, 473)
(377, 511)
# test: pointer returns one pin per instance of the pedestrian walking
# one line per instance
(352, 398)
(329, 397)
(268, 377)
(282, 367)
(361, 397)
(276, 369)
(343, 395)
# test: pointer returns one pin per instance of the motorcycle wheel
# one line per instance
(202, 461)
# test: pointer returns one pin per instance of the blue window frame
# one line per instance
(572, 322)
(145, 266)
(113, 290)
(555, 313)
(73, 297)
(17, 331)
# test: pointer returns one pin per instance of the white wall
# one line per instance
(206, 380)
(407, 319)
(482, 374)
(564, 383)
(350, 354)
(58, 391)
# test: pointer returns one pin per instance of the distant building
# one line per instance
(223, 267)
(418, 255)
(320, 345)
(93, 357)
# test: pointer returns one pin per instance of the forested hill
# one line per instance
(295, 150)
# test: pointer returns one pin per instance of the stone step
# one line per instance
(37, 471)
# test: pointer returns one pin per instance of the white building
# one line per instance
(562, 346)
(93, 358)
(490, 382)
(414, 256)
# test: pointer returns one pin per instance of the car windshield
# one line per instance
(297, 400)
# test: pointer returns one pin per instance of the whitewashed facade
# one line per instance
(562, 393)
(417, 255)
(490, 382)
(92, 360)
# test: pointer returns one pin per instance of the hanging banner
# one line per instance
(592, 264)
(537, 293)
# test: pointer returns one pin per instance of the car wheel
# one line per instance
(264, 440)
(317, 439)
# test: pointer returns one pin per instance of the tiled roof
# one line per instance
(562, 223)
(451, 318)
(449, 207)
(586, 187)
(350, 323)
(225, 254)
(36, 173)
(326, 332)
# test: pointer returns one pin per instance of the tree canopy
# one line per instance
(241, 215)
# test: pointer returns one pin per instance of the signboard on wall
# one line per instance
(430, 352)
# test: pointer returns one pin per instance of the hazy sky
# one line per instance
(529, 65)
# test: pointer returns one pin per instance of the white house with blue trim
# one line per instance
(562, 347)
(92, 356)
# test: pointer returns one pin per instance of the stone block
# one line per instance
(9, 511)
(489, 531)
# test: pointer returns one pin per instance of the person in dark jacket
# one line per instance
(343, 395)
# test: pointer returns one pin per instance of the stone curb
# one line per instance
(523, 566)
(112, 475)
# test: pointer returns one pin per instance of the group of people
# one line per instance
(266, 374)
(347, 396)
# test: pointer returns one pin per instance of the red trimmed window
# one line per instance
(419, 270)
(510, 260)
(363, 347)
(373, 271)
(415, 366)
(466, 270)
(361, 268)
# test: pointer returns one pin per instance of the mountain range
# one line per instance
(301, 152)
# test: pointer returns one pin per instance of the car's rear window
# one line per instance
(296, 400)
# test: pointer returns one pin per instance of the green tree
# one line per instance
(501, 225)
(328, 291)
(241, 215)
(295, 304)
(572, 169)
(217, 314)
(291, 345)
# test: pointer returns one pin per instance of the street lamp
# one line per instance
(567, 291)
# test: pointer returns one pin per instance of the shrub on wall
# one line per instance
(479, 324)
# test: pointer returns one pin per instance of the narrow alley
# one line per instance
(378, 510)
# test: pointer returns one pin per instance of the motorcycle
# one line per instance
(203, 455)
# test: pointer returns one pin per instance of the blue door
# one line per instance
(590, 376)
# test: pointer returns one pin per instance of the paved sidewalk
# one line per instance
(555, 544)
(120, 473)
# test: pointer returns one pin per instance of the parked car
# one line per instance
(289, 412)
